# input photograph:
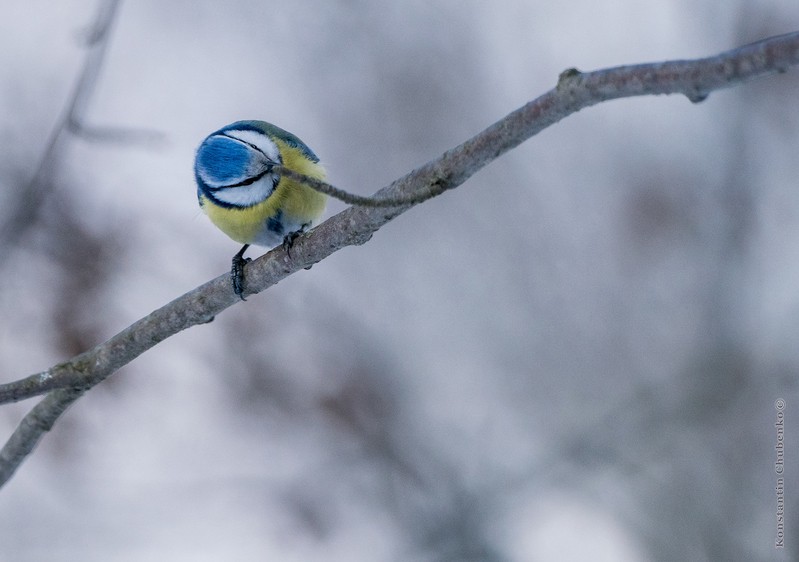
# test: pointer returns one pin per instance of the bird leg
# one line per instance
(237, 271)
(288, 240)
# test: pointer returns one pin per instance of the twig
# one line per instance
(355, 225)
(34, 425)
(351, 198)
(27, 203)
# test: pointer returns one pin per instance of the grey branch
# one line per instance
(351, 199)
(34, 425)
(25, 206)
(355, 225)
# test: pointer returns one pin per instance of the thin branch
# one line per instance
(28, 202)
(360, 200)
(97, 31)
(693, 78)
(34, 425)
(355, 225)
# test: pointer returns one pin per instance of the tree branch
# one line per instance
(355, 225)
(26, 205)
(34, 425)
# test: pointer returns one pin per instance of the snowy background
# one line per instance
(574, 355)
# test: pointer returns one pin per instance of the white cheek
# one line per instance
(247, 195)
(259, 140)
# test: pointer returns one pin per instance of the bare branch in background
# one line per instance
(355, 225)
(26, 204)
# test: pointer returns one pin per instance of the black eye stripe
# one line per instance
(255, 178)
(254, 147)
(250, 181)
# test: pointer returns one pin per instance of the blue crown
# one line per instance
(223, 161)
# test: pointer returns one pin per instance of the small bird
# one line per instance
(246, 198)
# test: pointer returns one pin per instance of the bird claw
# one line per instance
(237, 272)
(289, 239)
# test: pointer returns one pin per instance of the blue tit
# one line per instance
(246, 198)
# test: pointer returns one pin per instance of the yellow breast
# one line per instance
(290, 206)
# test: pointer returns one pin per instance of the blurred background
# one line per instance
(574, 355)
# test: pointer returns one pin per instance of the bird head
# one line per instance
(234, 165)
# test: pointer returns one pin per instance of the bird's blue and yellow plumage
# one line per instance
(242, 193)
